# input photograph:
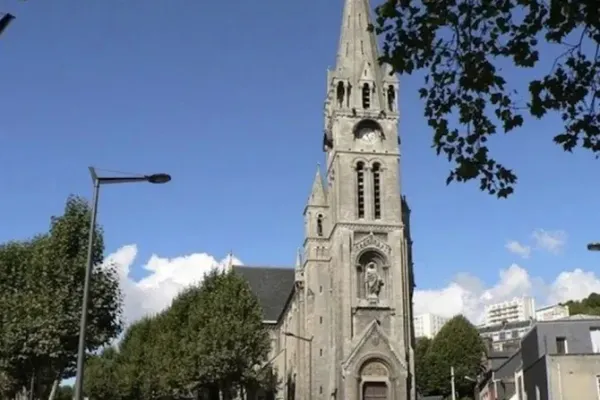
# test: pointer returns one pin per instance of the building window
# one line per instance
(502, 336)
(598, 385)
(595, 336)
(320, 289)
(366, 96)
(320, 389)
(360, 189)
(561, 345)
(376, 191)
(340, 92)
(520, 391)
(321, 352)
(320, 320)
(320, 225)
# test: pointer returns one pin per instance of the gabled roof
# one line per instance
(272, 286)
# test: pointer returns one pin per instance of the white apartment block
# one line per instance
(517, 309)
(428, 325)
(551, 313)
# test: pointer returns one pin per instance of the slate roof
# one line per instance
(271, 285)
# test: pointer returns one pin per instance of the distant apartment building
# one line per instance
(517, 309)
(428, 325)
(506, 336)
(552, 313)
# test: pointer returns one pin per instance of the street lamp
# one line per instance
(595, 246)
(5, 20)
(98, 181)
(310, 359)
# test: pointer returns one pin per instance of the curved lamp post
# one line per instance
(98, 181)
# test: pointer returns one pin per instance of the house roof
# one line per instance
(272, 286)
(506, 326)
(579, 317)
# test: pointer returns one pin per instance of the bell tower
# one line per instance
(368, 244)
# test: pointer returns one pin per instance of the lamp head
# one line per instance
(158, 178)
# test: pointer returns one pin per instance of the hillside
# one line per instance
(590, 305)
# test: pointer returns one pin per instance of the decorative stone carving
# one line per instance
(373, 242)
(374, 368)
(373, 282)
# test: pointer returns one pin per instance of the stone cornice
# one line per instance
(368, 227)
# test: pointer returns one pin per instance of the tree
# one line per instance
(65, 393)
(589, 306)
(101, 376)
(466, 48)
(41, 302)
(5, 20)
(421, 368)
(224, 332)
(457, 345)
(210, 340)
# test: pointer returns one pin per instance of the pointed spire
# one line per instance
(299, 258)
(229, 266)
(318, 196)
(357, 46)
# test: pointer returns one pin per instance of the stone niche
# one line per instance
(371, 255)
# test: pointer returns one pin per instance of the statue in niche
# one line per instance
(373, 281)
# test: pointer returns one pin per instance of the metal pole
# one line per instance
(86, 295)
(32, 385)
(452, 383)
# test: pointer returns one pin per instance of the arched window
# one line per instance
(319, 225)
(340, 93)
(348, 94)
(391, 97)
(360, 189)
(376, 191)
(366, 96)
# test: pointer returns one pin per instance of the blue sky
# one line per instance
(227, 97)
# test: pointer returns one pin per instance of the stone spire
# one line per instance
(358, 86)
(357, 46)
(318, 197)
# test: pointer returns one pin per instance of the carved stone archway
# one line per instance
(374, 381)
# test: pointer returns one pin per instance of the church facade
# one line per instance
(341, 320)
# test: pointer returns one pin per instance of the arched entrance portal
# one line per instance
(375, 381)
(375, 391)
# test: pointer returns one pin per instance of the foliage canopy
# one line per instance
(210, 340)
(457, 345)
(41, 286)
(468, 50)
(589, 306)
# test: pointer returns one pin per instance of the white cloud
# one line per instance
(519, 249)
(166, 278)
(550, 241)
(467, 295)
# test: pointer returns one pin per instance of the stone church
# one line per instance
(341, 320)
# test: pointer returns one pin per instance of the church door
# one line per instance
(375, 391)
